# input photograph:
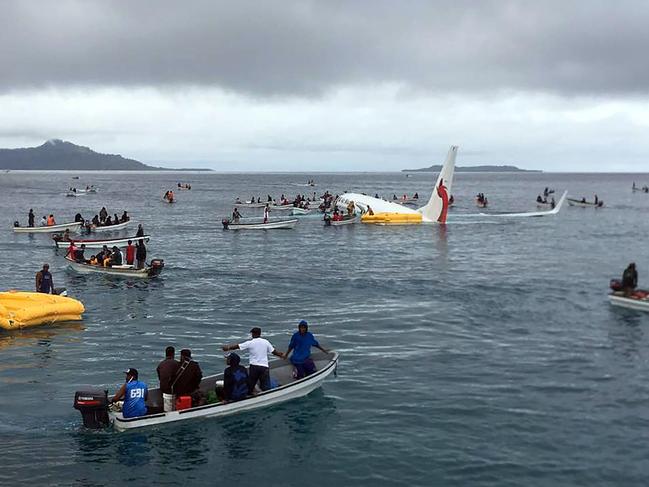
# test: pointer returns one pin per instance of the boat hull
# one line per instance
(276, 225)
(291, 390)
(581, 204)
(73, 227)
(99, 244)
(109, 228)
(120, 271)
(629, 303)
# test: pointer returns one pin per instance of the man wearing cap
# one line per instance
(258, 350)
(300, 344)
(44, 282)
(134, 393)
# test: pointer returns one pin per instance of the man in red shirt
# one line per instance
(130, 253)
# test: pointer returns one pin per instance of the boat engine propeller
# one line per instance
(93, 406)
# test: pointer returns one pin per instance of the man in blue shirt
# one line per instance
(301, 343)
(134, 393)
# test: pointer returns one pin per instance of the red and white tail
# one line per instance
(437, 207)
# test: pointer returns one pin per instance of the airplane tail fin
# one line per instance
(437, 207)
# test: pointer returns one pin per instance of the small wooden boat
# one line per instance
(638, 300)
(109, 228)
(93, 404)
(73, 227)
(270, 225)
(153, 270)
(97, 244)
(584, 204)
(345, 221)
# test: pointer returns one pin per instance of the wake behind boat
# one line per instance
(153, 270)
(270, 225)
(98, 244)
(93, 405)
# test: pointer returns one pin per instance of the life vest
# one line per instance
(50, 221)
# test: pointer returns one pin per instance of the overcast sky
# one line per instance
(331, 85)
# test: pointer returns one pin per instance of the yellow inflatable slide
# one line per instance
(19, 309)
(392, 218)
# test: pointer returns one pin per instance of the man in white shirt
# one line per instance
(258, 351)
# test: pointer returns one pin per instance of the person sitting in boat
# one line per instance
(93, 260)
(236, 215)
(50, 221)
(394, 197)
(235, 379)
(106, 259)
(78, 218)
(415, 196)
(167, 370)
(629, 279)
(66, 235)
(71, 250)
(116, 257)
(258, 351)
(124, 217)
(583, 200)
(300, 344)
(539, 199)
(79, 254)
(269, 199)
(44, 281)
(350, 208)
(115, 219)
(108, 221)
(134, 393)
(189, 375)
(95, 220)
(43, 222)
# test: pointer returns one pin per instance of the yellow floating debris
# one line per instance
(20, 309)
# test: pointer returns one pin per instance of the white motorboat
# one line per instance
(98, 244)
(639, 300)
(282, 207)
(73, 227)
(584, 204)
(93, 405)
(299, 211)
(345, 221)
(270, 225)
(109, 228)
(249, 204)
(153, 270)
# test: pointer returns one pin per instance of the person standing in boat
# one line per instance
(596, 199)
(140, 254)
(167, 370)
(30, 218)
(140, 231)
(134, 393)
(44, 281)
(130, 253)
(266, 212)
(236, 215)
(629, 279)
(300, 344)
(258, 351)
(103, 214)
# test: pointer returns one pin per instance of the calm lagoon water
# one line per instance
(479, 353)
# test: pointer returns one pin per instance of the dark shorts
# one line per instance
(261, 374)
(305, 368)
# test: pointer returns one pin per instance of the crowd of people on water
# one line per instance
(133, 255)
(89, 189)
(180, 380)
(103, 219)
(644, 189)
(184, 186)
(543, 200)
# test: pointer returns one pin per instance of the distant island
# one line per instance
(58, 154)
(438, 168)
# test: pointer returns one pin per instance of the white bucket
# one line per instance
(169, 402)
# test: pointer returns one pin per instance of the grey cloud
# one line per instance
(290, 47)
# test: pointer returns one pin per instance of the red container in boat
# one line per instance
(183, 402)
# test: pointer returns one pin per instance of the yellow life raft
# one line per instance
(19, 309)
(392, 218)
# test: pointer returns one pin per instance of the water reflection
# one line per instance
(41, 335)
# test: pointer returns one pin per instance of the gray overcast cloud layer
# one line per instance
(289, 48)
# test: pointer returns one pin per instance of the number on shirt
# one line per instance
(136, 393)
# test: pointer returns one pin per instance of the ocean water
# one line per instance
(483, 352)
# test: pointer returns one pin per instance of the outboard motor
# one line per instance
(156, 267)
(616, 285)
(225, 223)
(93, 406)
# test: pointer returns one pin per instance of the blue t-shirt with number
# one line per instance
(134, 399)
